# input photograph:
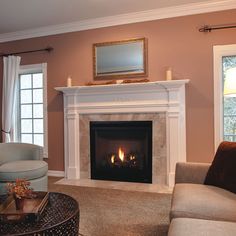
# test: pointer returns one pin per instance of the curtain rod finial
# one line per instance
(49, 49)
(205, 28)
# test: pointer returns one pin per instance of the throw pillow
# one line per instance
(222, 172)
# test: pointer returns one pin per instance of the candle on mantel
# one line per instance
(69, 81)
(119, 81)
(169, 74)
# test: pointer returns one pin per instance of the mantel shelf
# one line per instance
(163, 84)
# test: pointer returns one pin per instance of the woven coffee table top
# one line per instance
(59, 216)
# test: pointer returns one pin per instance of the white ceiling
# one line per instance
(25, 15)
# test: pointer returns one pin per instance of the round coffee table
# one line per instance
(60, 217)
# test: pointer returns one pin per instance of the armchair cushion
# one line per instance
(222, 171)
(26, 169)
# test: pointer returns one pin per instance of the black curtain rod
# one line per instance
(47, 49)
(207, 28)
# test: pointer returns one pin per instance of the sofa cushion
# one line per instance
(222, 171)
(26, 169)
(203, 202)
(197, 227)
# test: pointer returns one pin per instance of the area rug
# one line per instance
(105, 212)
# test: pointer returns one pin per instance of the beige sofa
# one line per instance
(199, 209)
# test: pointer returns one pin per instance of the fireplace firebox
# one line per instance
(121, 150)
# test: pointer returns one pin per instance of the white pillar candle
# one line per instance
(69, 82)
(119, 81)
(169, 74)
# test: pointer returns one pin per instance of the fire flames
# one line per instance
(113, 159)
(121, 154)
(132, 157)
(121, 159)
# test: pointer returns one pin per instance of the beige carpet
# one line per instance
(106, 212)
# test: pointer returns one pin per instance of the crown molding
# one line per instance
(142, 16)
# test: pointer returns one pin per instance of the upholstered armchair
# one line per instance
(21, 160)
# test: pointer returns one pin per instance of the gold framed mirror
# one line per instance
(120, 59)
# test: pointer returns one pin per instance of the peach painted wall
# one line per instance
(173, 42)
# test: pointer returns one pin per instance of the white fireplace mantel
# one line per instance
(151, 97)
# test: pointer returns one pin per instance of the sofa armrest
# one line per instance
(191, 172)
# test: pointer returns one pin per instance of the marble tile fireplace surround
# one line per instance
(162, 102)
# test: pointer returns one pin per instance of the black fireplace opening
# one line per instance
(121, 150)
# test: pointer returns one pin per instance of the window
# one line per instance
(225, 93)
(229, 100)
(31, 115)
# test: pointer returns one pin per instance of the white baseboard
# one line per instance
(56, 173)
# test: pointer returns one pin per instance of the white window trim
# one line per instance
(34, 68)
(219, 51)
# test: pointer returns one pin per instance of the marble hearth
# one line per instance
(162, 102)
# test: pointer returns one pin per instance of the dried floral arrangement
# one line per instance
(126, 81)
(20, 189)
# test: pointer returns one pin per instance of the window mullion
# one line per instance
(19, 118)
(32, 108)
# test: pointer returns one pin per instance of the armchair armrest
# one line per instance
(191, 172)
(20, 151)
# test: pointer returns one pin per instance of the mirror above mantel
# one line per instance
(120, 59)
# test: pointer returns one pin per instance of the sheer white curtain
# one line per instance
(11, 65)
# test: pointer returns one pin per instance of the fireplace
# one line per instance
(162, 102)
(121, 150)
